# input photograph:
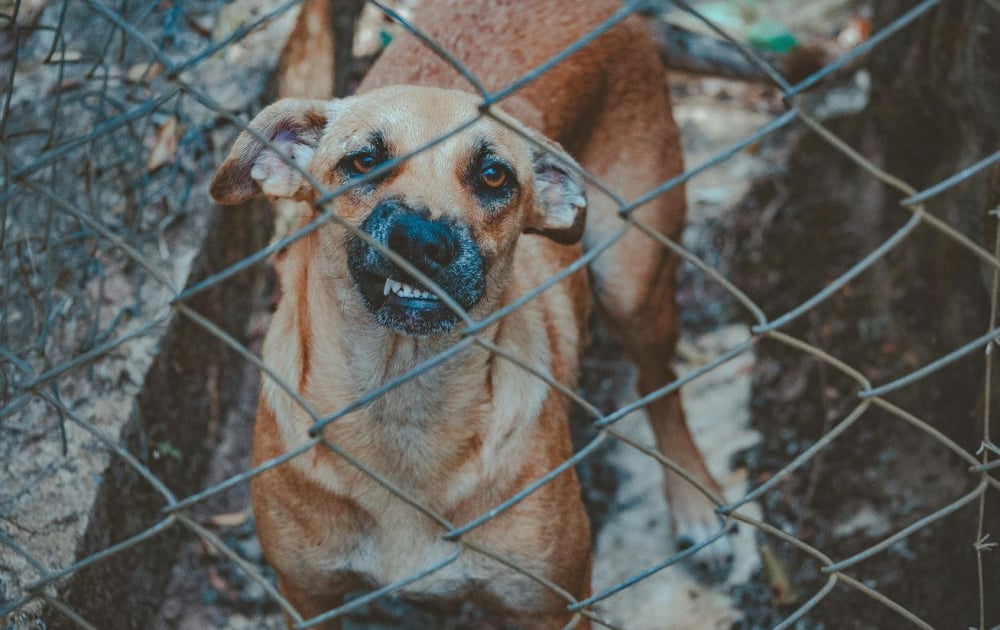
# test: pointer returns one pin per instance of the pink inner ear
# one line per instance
(274, 174)
(294, 127)
(551, 192)
(558, 191)
(286, 135)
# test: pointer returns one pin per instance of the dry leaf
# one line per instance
(69, 56)
(232, 519)
(164, 147)
(858, 30)
(206, 548)
(792, 386)
(230, 18)
(777, 574)
(217, 581)
(27, 13)
(143, 72)
(201, 24)
(65, 86)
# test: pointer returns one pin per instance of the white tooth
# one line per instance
(579, 202)
(406, 290)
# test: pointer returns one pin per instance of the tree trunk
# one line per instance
(934, 110)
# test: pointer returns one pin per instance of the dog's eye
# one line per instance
(493, 176)
(363, 163)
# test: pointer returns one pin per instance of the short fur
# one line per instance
(474, 430)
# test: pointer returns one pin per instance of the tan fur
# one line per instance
(305, 68)
(468, 434)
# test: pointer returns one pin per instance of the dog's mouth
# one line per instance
(381, 291)
(406, 307)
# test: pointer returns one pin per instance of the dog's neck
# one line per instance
(342, 355)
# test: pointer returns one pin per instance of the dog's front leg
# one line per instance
(309, 604)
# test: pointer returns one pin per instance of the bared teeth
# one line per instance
(405, 290)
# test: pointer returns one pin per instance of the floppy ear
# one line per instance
(294, 127)
(560, 196)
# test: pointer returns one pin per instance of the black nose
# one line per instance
(429, 245)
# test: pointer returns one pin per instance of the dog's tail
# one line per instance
(687, 51)
(307, 64)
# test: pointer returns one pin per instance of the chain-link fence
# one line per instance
(111, 128)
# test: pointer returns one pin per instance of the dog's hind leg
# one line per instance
(635, 147)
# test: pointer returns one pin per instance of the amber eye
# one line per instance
(364, 162)
(493, 176)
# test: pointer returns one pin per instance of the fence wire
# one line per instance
(106, 134)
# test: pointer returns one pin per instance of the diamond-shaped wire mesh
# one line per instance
(111, 113)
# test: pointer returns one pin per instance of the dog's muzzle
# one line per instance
(442, 249)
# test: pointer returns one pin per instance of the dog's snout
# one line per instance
(441, 250)
(429, 245)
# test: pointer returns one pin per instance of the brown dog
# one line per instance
(485, 215)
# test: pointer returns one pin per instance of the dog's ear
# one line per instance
(561, 203)
(294, 127)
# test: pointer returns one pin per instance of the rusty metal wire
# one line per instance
(87, 226)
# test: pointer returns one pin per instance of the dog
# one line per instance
(475, 221)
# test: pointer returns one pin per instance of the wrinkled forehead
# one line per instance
(407, 118)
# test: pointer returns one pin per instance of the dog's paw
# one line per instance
(713, 563)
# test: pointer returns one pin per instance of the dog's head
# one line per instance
(453, 211)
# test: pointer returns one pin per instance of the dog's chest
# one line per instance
(403, 550)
